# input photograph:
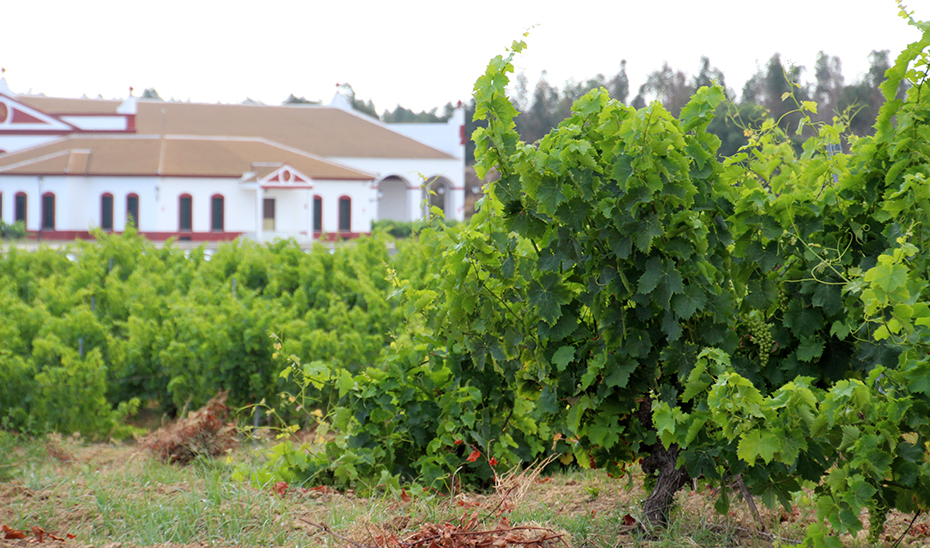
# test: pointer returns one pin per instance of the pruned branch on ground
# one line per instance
(203, 433)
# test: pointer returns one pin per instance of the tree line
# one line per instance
(545, 105)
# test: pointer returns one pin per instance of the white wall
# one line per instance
(364, 203)
(445, 137)
(78, 203)
(9, 187)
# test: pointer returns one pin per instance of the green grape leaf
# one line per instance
(619, 372)
(549, 195)
(563, 356)
(547, 295)
(687, 303)
(647, 230)
(758, 443)
(810, 349)
(652, 276)
(888, 277)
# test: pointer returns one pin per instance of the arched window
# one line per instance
(106, 211)
(48, 211)
(345, 214)
(19, 207)
(185, 213)
(317, 214)
(132, 209)
(216, 213)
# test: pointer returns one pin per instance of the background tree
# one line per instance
(151, 94)
(828, 88)
(864, 98)
(544, 111)
(365, 107)
(670, 87)
(619, 86)
(294, 100)
(401, 115)
(709, 75)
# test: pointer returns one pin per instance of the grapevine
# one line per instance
(878, 516)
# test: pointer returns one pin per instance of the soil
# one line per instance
(608, 507)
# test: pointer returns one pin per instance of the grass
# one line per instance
(105, 494)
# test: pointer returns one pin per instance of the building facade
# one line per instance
(209, 172)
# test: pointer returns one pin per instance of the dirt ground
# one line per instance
(580, 509)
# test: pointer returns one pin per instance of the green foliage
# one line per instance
(172, 327)
(619, 216)
(620, 292)
(838, 271)
(396, 229)
(609, 256)
(13, 231)
(758, 305)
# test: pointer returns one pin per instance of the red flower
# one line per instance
(458, 442)
(473, 456)
(493, 461)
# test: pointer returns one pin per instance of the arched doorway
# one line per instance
(392, 199)
(438, 192)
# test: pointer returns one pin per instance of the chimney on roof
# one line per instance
(77, 162)
(128, 106)
(340, 101)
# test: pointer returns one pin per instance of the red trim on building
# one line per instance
(291, 186)
(65, 235)
(153, 174)
(334, 236)
(20, 117)
(62, 131)
(154, 236)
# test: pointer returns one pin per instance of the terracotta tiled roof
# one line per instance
(321, 130)
(166, 155)
(62, 105)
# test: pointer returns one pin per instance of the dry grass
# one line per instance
(119, 494)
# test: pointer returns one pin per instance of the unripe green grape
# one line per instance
(877, 515)
(782, 302)
(760, 333)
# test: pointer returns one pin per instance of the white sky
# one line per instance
(418, 53)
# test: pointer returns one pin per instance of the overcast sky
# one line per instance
(420, 54)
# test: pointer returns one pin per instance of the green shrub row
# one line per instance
(96, 329)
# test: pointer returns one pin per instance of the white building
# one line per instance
(209, 172)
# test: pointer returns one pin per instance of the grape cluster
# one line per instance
(782, 301)
(877, 514)
(760, 333)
